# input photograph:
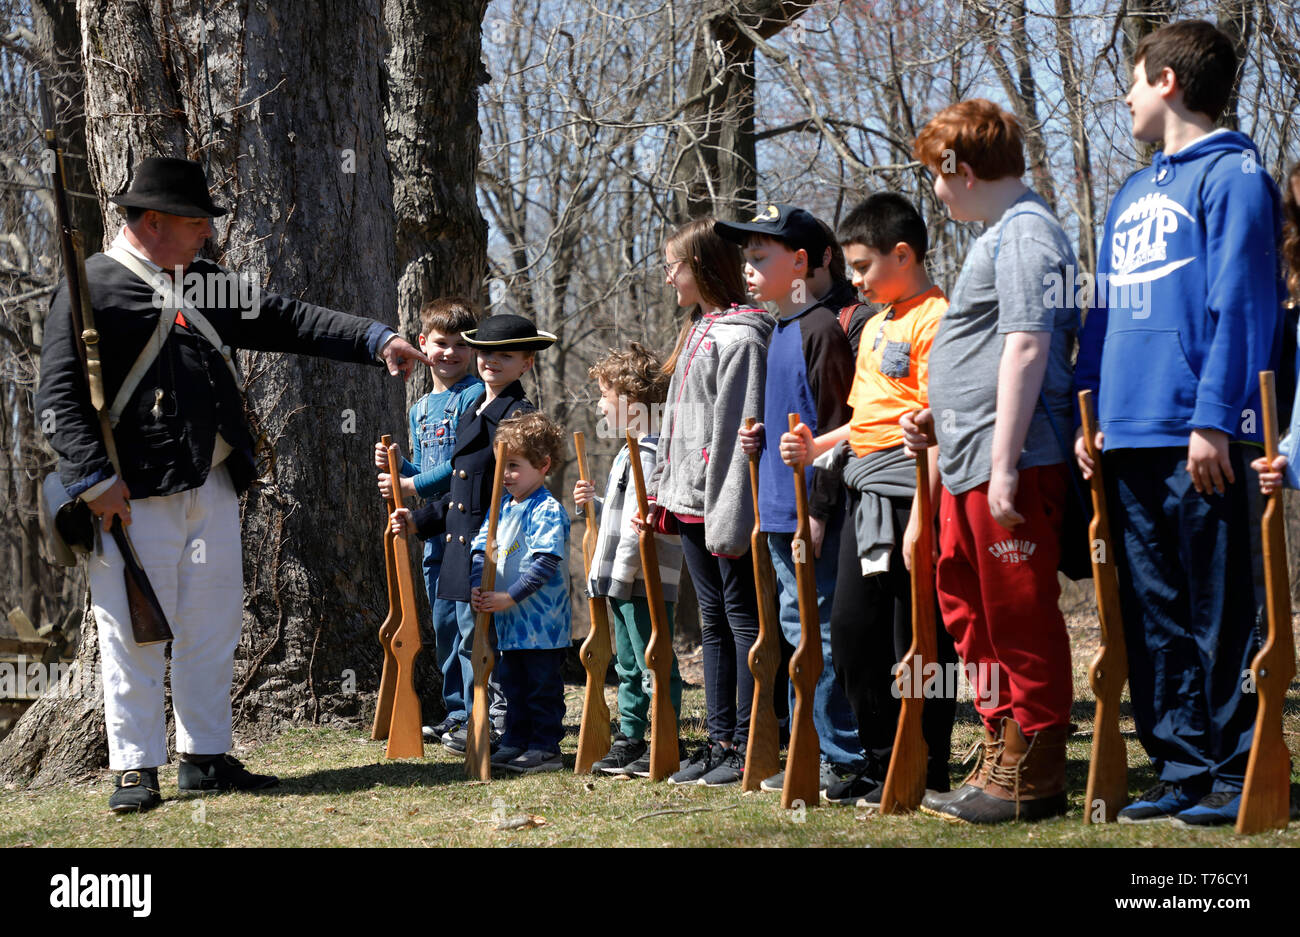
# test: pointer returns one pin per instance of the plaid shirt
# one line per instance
(616, 566)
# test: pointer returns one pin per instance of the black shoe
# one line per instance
(855, 788)
(223, 773)
(622, 753)
(728, 769)
(457, 740)
(435, 733)
(699, 764)
(135, 791)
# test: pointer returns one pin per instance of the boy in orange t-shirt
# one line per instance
(884, 241)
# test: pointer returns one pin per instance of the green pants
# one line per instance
(631, 635)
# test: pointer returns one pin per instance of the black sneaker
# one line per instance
(622, 753)
(135, 791)
(223, 773)
(639, 768)
(857, 787)
(456, 740)
(435, 733)
(704, 760)
(729, 768)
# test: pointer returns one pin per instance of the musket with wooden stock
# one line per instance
(763, 753)
(1107, 790)
(596, 651)
(664, 757)
(803, 757)
(1266, 795)
(388, 679)
(404, 734)
(478, 741)
(148, 620)
(905, 779)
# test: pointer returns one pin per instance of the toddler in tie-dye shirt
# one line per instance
(530, 605)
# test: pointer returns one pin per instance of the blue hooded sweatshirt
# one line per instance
(1189, 292)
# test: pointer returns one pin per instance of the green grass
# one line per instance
(337, 789)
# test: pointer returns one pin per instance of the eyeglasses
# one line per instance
(670, 269)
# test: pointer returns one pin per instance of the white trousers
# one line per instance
(189, 545)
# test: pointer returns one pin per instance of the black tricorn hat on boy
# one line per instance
(507, 332)
(171, 185)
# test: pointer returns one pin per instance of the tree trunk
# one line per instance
(431, 123)
(716, 171)
(303, 168)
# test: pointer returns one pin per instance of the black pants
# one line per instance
(871, 631)
(729, 628)
(532, 682)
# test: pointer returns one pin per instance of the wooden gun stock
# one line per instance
(593, 734)
(763, 753)
(803, 757)
(404, 737)
(1107, 791)
(388, 679)
(664, 756)
(148, 621)
(1266, 795)
(905, 779)
(478, 741)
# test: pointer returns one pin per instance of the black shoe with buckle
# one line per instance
(223, 773)
(135, 791)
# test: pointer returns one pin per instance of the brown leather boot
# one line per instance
(1026, 783)
(989, 750)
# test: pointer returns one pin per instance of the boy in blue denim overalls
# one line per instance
(433, 438)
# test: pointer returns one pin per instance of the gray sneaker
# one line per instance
(729, 769)
(773, 785)
(704, 760)
(504, 754)
(535, 761)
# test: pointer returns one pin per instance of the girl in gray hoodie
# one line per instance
(701, 477)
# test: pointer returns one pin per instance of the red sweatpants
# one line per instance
(998, 592)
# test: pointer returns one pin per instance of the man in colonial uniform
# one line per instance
(185, 452)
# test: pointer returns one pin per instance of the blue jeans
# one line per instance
(837, 731)
(457, 673)
(496, 698)
(1187, 594)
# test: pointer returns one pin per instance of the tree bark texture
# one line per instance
(434, 68)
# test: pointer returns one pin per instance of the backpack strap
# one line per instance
(173, 302)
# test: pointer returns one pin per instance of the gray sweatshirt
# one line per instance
(700, 469)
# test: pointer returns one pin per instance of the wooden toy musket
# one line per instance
(1266, 796)
(593, 734)
(404, 738)
(664, 758)
(1108, 766)
(478, 741)
(905, 780)
(388, 680)
(802, 760)
(763, 753)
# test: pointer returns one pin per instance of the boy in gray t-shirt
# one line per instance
(1002, 350)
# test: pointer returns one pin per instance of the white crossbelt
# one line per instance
(172, 305)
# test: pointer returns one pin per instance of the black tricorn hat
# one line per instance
(174, 186)
(507, 332)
